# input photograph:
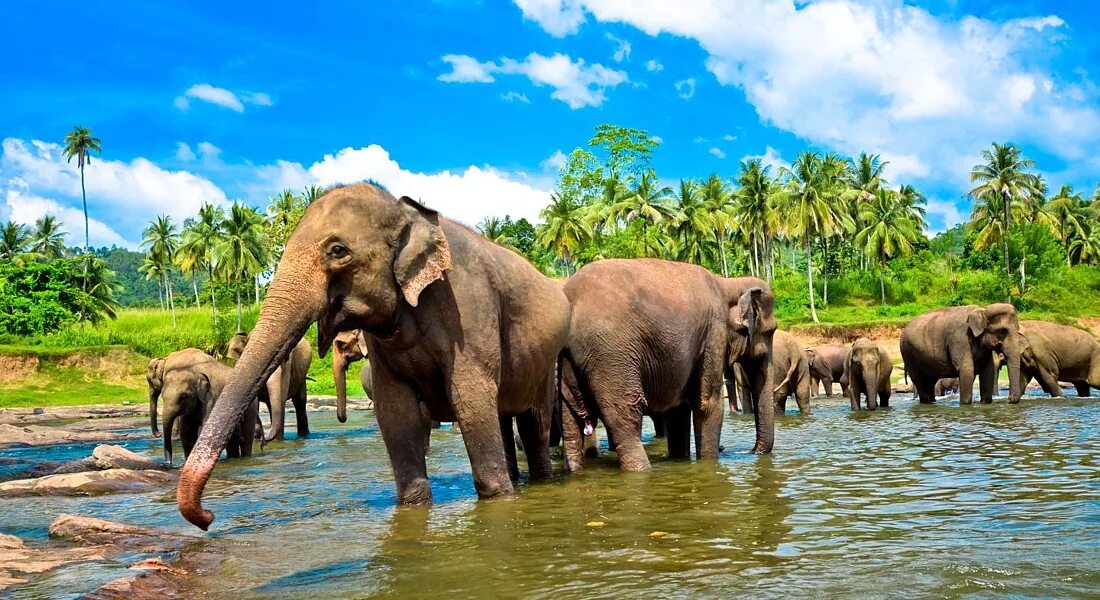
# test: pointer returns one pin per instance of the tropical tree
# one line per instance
(196, 250)
(889, 232)
(834, 171)
(1004, 185)
(718, 202)
(647, 202)
(865, 175)
(153, 270)
(239, 254)
(14, 239)
(311, 193)
(80, 143)
(1067, 216)
(755, 209)
(563, 229)
(102, 285)
(284, 212)
(492, 228)
(48, 239)
(160, 239)
(693, 222)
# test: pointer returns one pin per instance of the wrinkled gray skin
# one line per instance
(867, 370)
(453, 321)
(946, 386)
(657, 336)
(961, 342)
(287, 382)
(826, 366)
(154, 376)
(189, 394)
(791, 373)
(1059, 353)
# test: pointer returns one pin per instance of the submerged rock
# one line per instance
(17, 560)
(106, 456)
(37, 435)
(87, 483)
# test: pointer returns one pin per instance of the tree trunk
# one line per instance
(195, 286)
(238, 288)
(722, 250)
(882, 283)
(810, 279)
(160, 296)
(1004, 236)
(755, 255)
(170, 302)
(84, 199)
(1023, 276)
(213, 302)
(256, 283)
(825, 271)
(769, 257)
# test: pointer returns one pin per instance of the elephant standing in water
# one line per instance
(154, 377)
(287, 382)
(657, 336)
(791, 372)
(348, 347)
(962, 342)
(189, 395)
(1056, 353)
(946, 386)
(452, 320)
(867, 370)
(826, 366)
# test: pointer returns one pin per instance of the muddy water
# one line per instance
(939, 500)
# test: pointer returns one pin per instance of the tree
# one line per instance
(101, 287)
(1004, 189)
(48, 239)
(648, 202)
(1066, 216)
(492, 228)
(889, 232)
(865, 175)
(692, 223)
(755, 208)
(717, 201)
(311, 193)
(200, 236)
(14, 239)
(239, 254)
(563, 228)
(283, 215)
(153, 271)
(81, 144)
(628, 149)
(160, 240)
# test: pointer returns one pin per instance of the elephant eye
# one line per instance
(338, 251)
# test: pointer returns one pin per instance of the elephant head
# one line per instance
(745, 322)
(996, 329)
(185, 392)
(347, 347)
(154, 376)
(865, 366)
(359, 259)
(237, 344)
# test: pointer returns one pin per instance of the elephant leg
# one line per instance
(508, 437)
(853, 395)
(827, 384)
(707, 417)
(731, 395)
(534, 431)
(884, 397)
(404, 431)
(276, 394)
(621, 403)
(248, 427)
(660, 425)
(802, 395)
(189, 433)
(301, 417)
(1050, 384)
(678, 421)
(474, 397)
(966, 384)
(572, 439)
(926, 388)
(1082, 389)
(987, 382)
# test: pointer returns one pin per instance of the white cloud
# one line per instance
(654, 66)
(770, 158)
(576, 83)
(23, 207)
(729, 137)
(657, 138)
(717, 152)
(685, 88)
(699, 139)
(221, 97)
(184, 152)
(209, 151)
(882, 76)
(948, 214)
(554, 161)
(515, 97)
(622, 48)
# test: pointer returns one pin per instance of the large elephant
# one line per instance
(467, 327)
(190, 393)
(1056, 353)
(867, 370)
(287, 382)
(349, 347)
(656, 336)
(791, 372)
(154, 376)
(826, 366)
(961, 342)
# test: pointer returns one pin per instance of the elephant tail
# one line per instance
(570, 394)
(790, 373)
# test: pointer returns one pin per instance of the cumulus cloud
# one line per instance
(23, 207)
(729, 137)
(654, 66)
(221, 97)
(574, 82)
(685, 88)
(770, 158)
(184, 152)
(554, 161)
(717, 152)
(943, 215)
(882, 76)
(515, 97)
(622, 48)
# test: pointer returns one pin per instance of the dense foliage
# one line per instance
(42, 297)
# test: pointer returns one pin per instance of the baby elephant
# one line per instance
(189, 395)
(867, 371)
(947, 386)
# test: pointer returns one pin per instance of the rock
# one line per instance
(147, 585)
(93, 531)
(127, 403)
(107, 456)
(76, 466)
(88, 483)
(38, 411)
(17, 560)
(37, 435)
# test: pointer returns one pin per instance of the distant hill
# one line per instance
(136, 290)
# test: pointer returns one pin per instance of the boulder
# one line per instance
(38, 435)
(107, 456)
(92, 531)
(88, 483)
(17, 560)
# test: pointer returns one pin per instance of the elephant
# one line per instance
(791, 371)
(946, 385)
(453, 320)
(867, 370)
(650, 335)
(1056, 353)
(826, 366)
(348, 347)
(154, 376)
(287, 382)
(961, 342)
(189, 395)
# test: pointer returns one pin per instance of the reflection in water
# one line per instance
(935, 500)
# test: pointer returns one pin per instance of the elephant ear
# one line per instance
(976, 322)
(748, 306)
(205, 394)
(361, 342)
(424, 253)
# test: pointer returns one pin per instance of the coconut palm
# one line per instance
(755, 209)
(311, 193)
(81, 144)
(865, 175)
(200, 235)
(14, 239)
(1066, 215)
(239, 254)
(492, 228)
(160, 239)
(563, 229)
(102, 287)
(692, 223)
(1005, 191)
(834, 171)
(48, 239)
(913, 201)
(890, 231)
(153, 270)
(647, 202)
(718, 202)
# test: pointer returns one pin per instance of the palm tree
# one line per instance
(563, 229)
(14, 238)
(493, 230)
(1066, 216)
(834, 170)
(756, 198)
(889, 232)
(865, 175)
(160, 240)
(102, 286)
(153, 271)
(283, 214)
(200, 236)
(913, 201)
(312, 193)
(647, 202)
(693, 222)
(80, 143)
(239, 254)
(1004, 185)
(48, 239)
(717, 200)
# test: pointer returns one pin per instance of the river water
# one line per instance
(914, 501)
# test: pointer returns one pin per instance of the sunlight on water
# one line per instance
(936, 500)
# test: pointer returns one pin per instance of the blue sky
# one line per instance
(469, 104)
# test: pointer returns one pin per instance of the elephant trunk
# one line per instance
(153, 414)
(764, 405)
(169, 422)
(277, 405)
(872, 387)
(294, 301)
(1012, 357)
(340, 376)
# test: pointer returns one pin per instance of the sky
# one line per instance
(471, 106)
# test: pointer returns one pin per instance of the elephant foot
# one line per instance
(418, 491)
(492, 489)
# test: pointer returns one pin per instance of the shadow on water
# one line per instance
(941, 500)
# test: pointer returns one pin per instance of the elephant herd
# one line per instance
(462, 330)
